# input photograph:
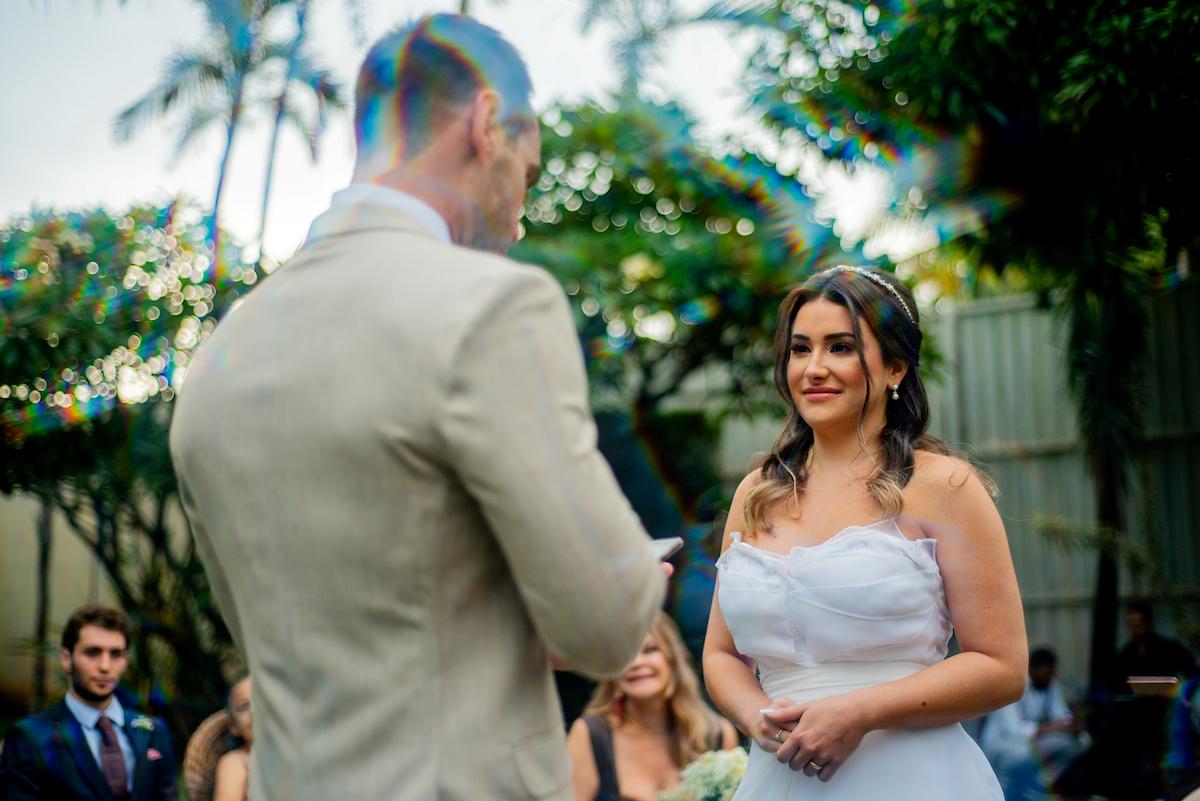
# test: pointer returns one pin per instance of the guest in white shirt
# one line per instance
(1031, 742)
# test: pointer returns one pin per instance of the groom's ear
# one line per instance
(484, 132)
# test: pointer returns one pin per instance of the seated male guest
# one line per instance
(89, 746)
(1031, 742)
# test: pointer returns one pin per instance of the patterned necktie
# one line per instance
(112, 761)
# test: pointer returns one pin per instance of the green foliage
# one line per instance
(1034, 134)
(1047, 119)
(675, 259)
(99, 316)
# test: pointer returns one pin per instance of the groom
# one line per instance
(389, 463)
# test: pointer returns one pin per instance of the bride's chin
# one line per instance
(823, 423)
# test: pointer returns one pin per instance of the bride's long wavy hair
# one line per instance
(693, 726)
(884, 304)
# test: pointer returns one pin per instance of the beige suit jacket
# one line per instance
(389, 463)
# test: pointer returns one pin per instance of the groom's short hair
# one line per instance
(423, 71)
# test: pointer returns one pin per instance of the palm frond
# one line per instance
(594, 11)
(195, 125)
(229, 16)
(745, 14)
(331, 93)
(294, 115)
(189, 76)
(321, 82)
(633, 54)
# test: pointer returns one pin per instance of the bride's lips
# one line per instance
(820, 393)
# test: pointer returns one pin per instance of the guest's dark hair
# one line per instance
(106, 617)
(1042, 657)
(415, 76)
(889, 310)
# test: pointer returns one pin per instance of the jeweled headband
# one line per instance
(846, 268)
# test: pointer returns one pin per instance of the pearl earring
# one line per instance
(895, 392)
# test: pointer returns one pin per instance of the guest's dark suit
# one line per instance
(46, 758)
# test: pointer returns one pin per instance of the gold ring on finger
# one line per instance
(779, 735)
(814, 766)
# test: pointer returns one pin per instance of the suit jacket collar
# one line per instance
(71, 734)
(349, 218)
(88, 716)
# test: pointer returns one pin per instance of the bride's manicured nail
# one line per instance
(770, 710)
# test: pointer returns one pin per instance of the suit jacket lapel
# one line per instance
(139, 741)
(72, 736)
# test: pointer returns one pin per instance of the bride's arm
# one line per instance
(728, 675)
(984, 601)
(951, 504)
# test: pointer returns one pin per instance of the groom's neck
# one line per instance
(436, 187)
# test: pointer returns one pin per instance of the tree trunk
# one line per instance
(45, 533)
(235, 113)
(301, 27)
(266, 198)
(1105, 607)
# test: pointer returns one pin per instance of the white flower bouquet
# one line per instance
(714, 776)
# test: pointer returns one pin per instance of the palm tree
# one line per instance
(640, 26)
(464, 6)
(208, 85)
(302, 79)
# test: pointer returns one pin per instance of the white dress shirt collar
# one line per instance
(412, 207)
(89, 716)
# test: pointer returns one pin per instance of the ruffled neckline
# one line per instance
(892, 531)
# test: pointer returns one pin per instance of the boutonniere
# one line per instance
(153, 755)
(142, 722)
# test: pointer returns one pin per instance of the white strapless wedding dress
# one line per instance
(865, 607)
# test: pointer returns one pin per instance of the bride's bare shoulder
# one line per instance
(946, 488)
(940, 471)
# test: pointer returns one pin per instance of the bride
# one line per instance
(848, 559)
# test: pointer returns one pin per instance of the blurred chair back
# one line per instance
(206, 745)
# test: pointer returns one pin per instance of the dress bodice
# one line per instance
(867, 595)
(865, 607)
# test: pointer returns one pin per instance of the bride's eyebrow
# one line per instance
(828, 337)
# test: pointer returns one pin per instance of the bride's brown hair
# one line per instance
(889, 310)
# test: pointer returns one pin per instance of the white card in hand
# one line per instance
(666, 548)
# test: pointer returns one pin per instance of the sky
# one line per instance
(72, 65)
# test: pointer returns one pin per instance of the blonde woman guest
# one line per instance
(640, 729)
(233, 768)
(849, 558)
